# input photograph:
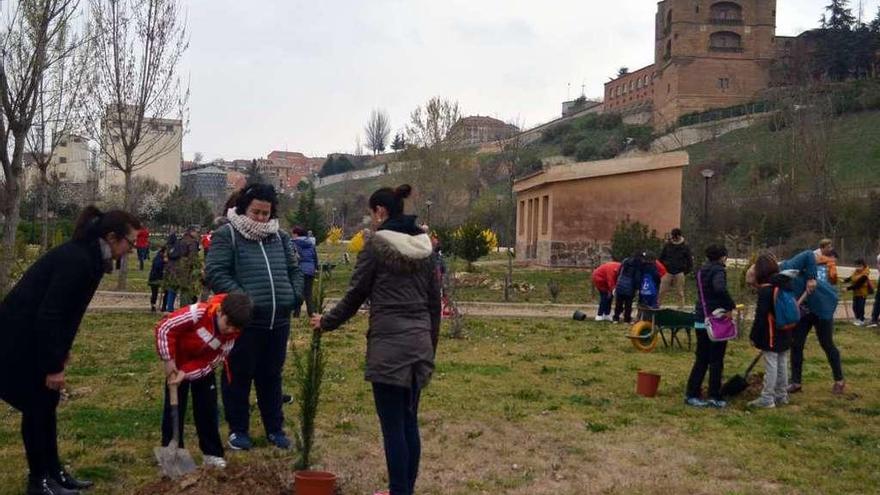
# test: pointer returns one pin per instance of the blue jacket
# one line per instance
(308, 255)
(264, 270)
(823, 301)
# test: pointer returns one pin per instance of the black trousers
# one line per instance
(258, 358)
(875, 313)
(398, 411)
(39, 424)
(859, 307)
(205, 414)
(154, 295)
(308, 283)
(825, 333)
(623, 305)
(709, 356)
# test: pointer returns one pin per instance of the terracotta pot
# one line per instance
(647, 384)
(314, 483)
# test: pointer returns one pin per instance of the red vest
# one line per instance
(189, 336)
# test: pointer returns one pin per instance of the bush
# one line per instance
(633, 237)
(609, 121)
(586, 151)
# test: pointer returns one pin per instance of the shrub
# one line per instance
(586, 151)
(356, 245)
(470, 243)
(334, 236)
(609, 121)
(633, 237)
(491, 240)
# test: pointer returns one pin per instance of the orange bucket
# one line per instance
(647, 384)
(314, 483)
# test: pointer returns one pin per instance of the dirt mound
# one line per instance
(236, 479)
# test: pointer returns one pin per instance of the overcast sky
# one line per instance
(303, 75)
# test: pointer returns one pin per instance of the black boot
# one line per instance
(47, 486)
(66, 480)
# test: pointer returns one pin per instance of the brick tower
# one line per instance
(711, 54)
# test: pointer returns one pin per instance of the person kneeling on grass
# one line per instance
(191, 341)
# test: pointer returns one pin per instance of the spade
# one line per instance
(174, 462)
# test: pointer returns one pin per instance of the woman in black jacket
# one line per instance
(710, 355)
(39, 319)
(395, 271)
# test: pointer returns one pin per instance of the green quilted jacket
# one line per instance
(266, 270)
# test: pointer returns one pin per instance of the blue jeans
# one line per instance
(143, 255)
(398, 410)
(604, 303)
(170, 298)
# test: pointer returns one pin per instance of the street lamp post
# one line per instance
(428, 205)
(707, 174)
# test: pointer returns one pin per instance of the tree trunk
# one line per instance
(44, 209)
(122, 282)
(12, 211)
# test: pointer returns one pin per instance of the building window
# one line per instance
(545, 215)
(724, 83)
(726, 14)
(62, 159)
(62, 144)
(725, 41)
(77, 140)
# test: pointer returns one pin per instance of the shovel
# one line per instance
(739, 383)
(174, 462)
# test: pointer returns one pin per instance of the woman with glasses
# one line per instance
(39, 320)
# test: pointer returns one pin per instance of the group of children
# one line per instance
(620, 283)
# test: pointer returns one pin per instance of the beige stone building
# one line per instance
(161, 152)
(566, 215)
(476, 129)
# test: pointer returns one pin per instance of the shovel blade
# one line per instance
(174, 462)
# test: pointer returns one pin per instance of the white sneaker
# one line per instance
(608, 318)
(859, 323)
(600, 318)
(212, 461)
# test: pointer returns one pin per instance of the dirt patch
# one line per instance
(263, 478)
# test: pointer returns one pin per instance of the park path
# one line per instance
(109, 301)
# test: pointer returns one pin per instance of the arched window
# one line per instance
(725, 41)
(726, 13)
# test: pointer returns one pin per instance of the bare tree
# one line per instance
(59, 112)
(377, 130)
(136, 90)
(510, 158)
(31, 28)
(430, 126)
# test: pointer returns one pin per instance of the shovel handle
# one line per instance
(754, 362)
(175, 414)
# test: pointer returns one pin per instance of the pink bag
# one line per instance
(718, 328)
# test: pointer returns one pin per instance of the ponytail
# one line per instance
(93, 224)
(391, 199)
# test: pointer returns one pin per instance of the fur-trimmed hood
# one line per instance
(401, 252)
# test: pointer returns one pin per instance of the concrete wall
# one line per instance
(697, 133)
(368, 173)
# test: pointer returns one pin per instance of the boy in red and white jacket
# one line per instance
(191, 341)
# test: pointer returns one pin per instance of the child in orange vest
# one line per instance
(191, 341)
(860, 285)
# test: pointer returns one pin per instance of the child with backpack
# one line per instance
(776, 317)
(625, 290)
(860, 285)
(649, 286)
(191, 342)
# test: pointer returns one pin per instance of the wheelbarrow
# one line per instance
(647, 333)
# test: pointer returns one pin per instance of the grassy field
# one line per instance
(519, 407)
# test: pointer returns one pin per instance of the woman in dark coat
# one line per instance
(395, 271)
(710, 355)
(252, 255)
(39, 320)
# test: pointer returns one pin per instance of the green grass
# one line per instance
(519, 406)
(854, 152)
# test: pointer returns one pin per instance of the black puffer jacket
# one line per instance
(714, 278)
(395, 271)
(677, 258)
(266, 270)
(764, 335)
(40, 317)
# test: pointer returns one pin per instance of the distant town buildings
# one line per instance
(476, 129)
(159, 156)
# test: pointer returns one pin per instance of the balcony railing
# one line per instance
(727, 49)
(727, 22)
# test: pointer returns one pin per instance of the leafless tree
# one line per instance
(377, 130)
(509, 158)
(136, 89)
(59, 111)
(30, 28)
(430, 126)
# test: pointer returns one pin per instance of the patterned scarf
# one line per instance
(251, 230)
